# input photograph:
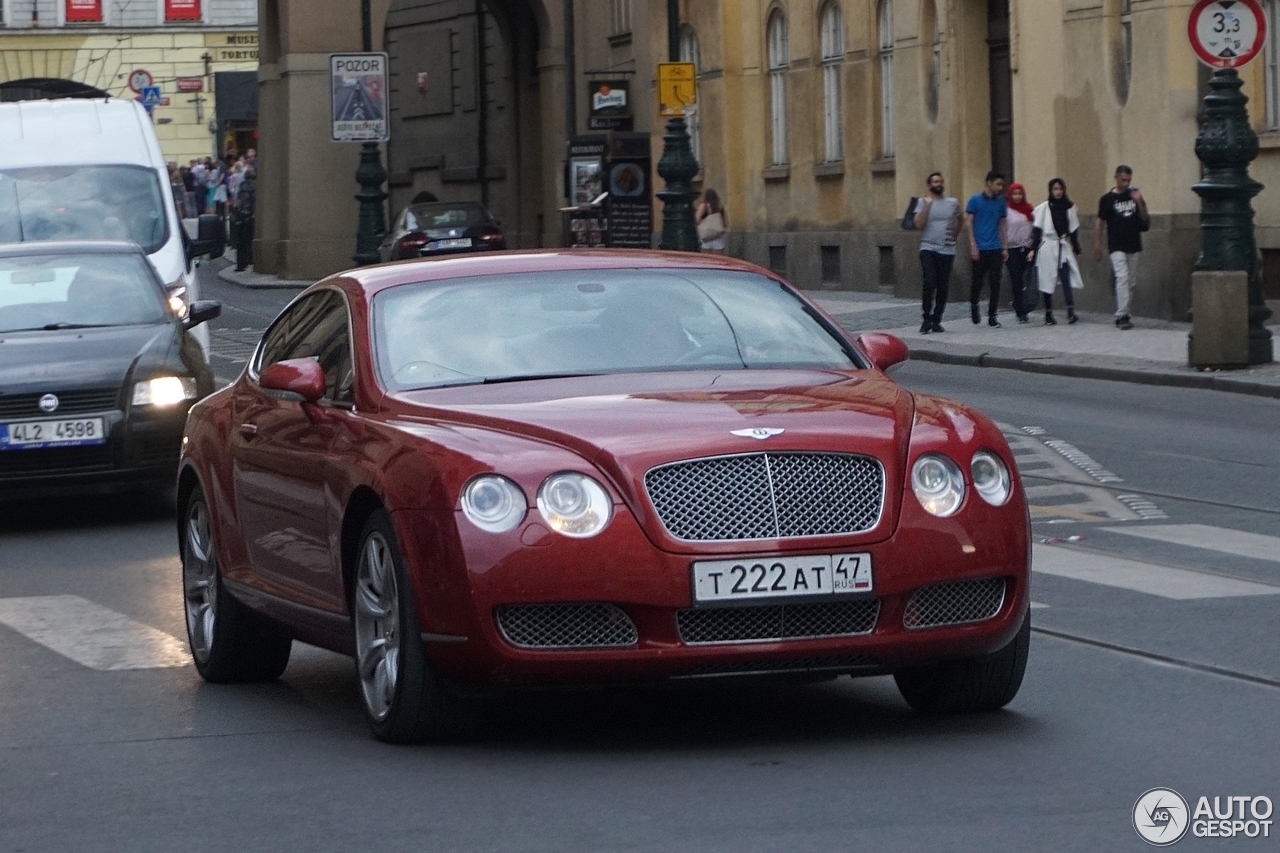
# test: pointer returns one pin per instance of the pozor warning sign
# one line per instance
(358, 83)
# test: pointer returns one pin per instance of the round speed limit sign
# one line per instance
(1227, 33)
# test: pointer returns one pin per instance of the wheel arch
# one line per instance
(188, 481)
(362, 503)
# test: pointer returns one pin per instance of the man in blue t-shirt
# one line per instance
(985, 216)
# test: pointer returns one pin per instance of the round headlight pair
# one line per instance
(570, 503)
(939, 484)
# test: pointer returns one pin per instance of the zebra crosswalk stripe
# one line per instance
(1236, 542)
(92, 635)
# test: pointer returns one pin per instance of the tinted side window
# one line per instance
(321, 333)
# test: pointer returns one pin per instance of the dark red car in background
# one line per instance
(587, 467)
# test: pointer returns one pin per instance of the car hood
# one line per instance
(80, 358)
(627, 424)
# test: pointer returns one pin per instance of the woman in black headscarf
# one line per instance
(1057, 242)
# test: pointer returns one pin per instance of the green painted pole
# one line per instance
(677, 165)
(370, 176)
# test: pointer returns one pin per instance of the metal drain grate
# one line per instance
(954, 603)
(566, 626)
(777, 622)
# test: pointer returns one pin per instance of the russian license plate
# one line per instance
(456, 243)
(68, 432)
(781, 577)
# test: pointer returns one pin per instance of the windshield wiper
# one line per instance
(530, 377)
(55, 327)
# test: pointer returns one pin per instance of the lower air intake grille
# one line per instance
(566, 626)
(836, 663)
(777, 622)
(55, 460)
(954, 603)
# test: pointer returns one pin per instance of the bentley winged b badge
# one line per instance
(758, 433)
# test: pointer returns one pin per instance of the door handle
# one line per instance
(248, 430)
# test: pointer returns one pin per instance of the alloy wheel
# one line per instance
(377, 626)
(199, 580)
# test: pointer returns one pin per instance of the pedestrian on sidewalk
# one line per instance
(1022, 251)
(712, 223)
(246, 204)
(1124, 212)
(937, 218)
(1056, 236)
(985, 215)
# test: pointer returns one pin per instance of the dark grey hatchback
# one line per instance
(97, 371)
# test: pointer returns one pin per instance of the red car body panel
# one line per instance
(283, 479)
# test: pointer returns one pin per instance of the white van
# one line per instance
(81, 169)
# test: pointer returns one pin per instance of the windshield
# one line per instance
(77, 291)
(505, 328)
(83, 203)
(430, 216)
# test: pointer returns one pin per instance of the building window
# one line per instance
(689, 52)
(1272, 70)
(832, 56)
(1126, 49)
(886, 78)
(933, 71)
(621, 17)
(778, 59)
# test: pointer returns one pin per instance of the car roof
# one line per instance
(382, 276)
(70, 247)
(76, 131)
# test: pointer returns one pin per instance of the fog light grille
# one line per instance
(777, 622)
(566, 626)
(954, 603)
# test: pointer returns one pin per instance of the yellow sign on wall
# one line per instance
(677, 87)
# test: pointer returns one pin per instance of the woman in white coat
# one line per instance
(1057, 242)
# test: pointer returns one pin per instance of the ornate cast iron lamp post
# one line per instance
(370, 175)
(677, 165)
(1226, 145)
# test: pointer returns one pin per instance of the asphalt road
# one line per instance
(1153, 663)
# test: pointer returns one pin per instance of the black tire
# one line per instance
(984, 683)
(413, 704)
(228, 642)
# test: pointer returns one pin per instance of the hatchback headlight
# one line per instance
(938, 484)
(493, 503)
(164, 391)
(990, 477)
(574, 504)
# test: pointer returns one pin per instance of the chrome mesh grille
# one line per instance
(767, 496)
(777, 622)
(566, 626)
(69, 403)
(954, 603)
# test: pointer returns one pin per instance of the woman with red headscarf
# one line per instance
(1018, 231)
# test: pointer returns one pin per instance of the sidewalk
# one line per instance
(1153, 353)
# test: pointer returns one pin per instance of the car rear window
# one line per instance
(509, 327)
(74, 291)
(427, 216)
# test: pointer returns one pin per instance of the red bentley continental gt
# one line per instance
(549, 468)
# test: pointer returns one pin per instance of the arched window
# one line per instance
(690, 52)
(886, 78)
(778, 59)
(832, 56)
(932, 29)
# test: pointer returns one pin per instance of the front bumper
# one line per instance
(465, 589)
(141, 451)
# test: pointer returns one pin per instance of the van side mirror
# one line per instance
(211, 238)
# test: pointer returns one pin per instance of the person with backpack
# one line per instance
(937, 218)
(712, 223)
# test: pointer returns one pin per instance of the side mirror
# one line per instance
(885, 351)
(201, 311)
(300, 376)
(211, 237)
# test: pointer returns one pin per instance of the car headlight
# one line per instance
(938, 484)
(164, 391)
(990, 477)
(177, 297)
(493, 503)
(574, 504)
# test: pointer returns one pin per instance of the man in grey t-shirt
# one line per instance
(937, 218)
